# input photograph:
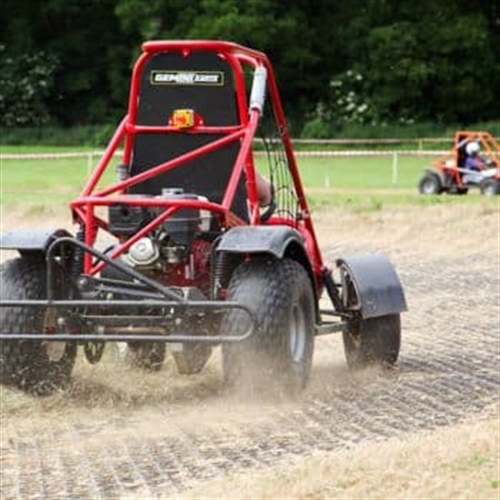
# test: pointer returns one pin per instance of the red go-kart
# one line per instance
(189, 256)
(451, 172)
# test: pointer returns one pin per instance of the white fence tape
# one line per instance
(51, 156)
(326, 153)
(374, 141)
(91, 155)
(369, 153)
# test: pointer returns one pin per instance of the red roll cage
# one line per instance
(238, 57)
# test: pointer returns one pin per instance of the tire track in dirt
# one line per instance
(448, 371)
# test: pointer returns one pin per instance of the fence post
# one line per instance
(394, 167)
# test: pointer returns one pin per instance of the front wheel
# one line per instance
(430, 184)
(372, 341)
(280, 294)
(33, 365)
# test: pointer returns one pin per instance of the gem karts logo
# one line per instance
(215, 78)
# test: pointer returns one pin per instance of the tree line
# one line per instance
(68, 62)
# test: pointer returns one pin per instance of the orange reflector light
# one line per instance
(182, 118)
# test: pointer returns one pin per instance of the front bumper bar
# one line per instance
(89, 320)
(153, 328)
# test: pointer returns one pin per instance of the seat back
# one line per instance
(201, 81)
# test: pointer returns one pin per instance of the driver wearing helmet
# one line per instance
(473, 160)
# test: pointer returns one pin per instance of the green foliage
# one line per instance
(25, 83)
(426, 61)
(96, 136)
(347, 103)
(89, 84)
(349, 100)
(316, 128)
(321, 124)
(269, 25)
(338, 64)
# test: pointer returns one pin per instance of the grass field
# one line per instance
(113, 421)
(362, 182)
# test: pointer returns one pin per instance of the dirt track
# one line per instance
(120, 434)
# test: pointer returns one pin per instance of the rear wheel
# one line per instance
(280, 294)
(430, 184)
(33, 365)
(373, 341)
(490, 187)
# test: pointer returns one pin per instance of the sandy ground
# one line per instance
(457, 462)
(427, 429)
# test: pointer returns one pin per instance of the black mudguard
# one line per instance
(377, 286)
(31, 240)
(273, 240)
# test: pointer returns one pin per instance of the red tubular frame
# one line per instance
(236, 56)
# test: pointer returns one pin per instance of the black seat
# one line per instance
(162, 90)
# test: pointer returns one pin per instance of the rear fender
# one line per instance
(27, 241)
(279, 241)
(371, 286)
(272, 240)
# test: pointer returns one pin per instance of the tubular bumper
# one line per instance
(119, 328)
(89, 320)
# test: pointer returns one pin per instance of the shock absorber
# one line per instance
(222, 267)
(76, 267)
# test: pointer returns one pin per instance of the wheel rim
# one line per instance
(298, 334)
(429, 186)
(489, 189)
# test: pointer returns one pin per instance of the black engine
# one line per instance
(171, 242)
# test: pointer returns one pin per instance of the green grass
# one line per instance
(15, 149)
(364, 182)
(361, 172)
(57, 180)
